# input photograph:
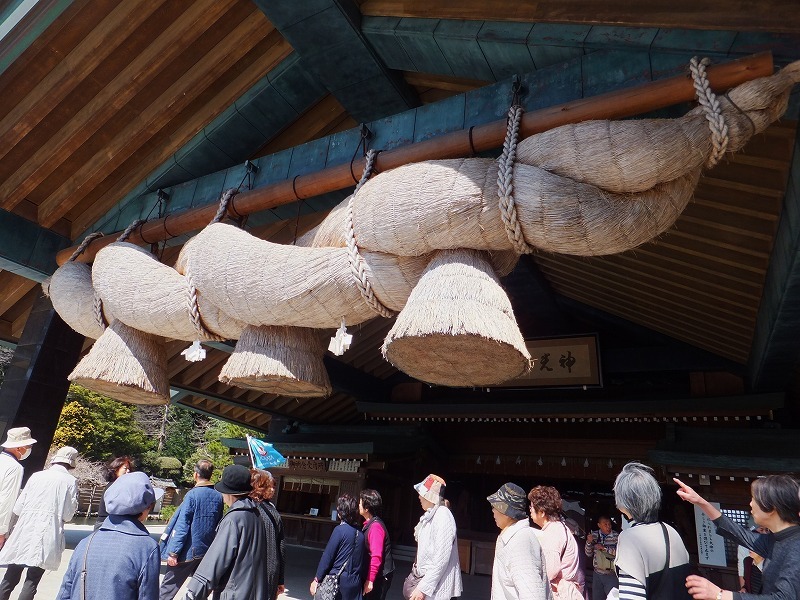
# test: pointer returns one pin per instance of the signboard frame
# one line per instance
(556, 357)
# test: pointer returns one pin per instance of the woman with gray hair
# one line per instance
(652, 561)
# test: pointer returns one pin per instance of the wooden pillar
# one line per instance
(35, 384)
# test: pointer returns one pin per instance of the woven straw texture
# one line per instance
(330, 233)
(70, 289)
(153, 297)
(633, 156)
(458, 327)
(286, 361)
(574, 185)
(588, 189)
(125, 364)
(271, 284)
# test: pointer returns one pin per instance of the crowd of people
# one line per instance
(240, 553)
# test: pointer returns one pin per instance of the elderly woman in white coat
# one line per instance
(519, 571)
(49, 499)
(437, 566)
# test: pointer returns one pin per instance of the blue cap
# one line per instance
(130, 494)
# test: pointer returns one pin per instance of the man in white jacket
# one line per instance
(49, 499)
(17, 447)
(519, 572)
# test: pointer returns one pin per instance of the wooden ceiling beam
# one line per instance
(607, 275)
(346, 64)
(325, 117)
(750, 237)
(707, 249)
(132, 79)
(212, 362)
(158, 149)
(6, 331)
(14, 288)
(160, 114)
(737, 15)
(224, 400)
(704, 323)
(656, 296)
(50, 46)
(68, 74)
(722, 344)
(727, 277)
(447, 83)
(747, 294)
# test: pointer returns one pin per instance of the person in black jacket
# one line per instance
(379, 546)
(262, 494)
(235, 565)
(775, 505)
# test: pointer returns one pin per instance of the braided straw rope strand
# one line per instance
(98, 302)
(357, 264)
(505, 183)
(85, 244)
(130, 229)
(194, 312)
(98, 312)
(708, 100)
(227, 196)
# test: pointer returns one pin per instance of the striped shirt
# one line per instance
(630, 588)
(608, 541)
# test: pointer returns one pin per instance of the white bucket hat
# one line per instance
(17, 437)
(65, 456)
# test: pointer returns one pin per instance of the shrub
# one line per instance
(168, 511)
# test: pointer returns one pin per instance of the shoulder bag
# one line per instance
(411, 582)
(328, 588)
(670, 585)
(603, 560)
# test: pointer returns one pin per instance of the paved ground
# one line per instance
(301, 563)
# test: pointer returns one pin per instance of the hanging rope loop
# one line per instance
(505, 180)
(85, 244)
(357, 264)
(130, 229)
(224, 200)
(711, 107)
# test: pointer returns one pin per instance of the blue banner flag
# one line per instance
(263, 454)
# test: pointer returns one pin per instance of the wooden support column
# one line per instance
(35, 384)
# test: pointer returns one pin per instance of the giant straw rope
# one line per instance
(588, 189)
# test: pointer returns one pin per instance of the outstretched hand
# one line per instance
(701, 588)
(687, 493)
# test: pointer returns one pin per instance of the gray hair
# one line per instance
(638, 492)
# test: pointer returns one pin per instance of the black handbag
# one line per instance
(328, 588)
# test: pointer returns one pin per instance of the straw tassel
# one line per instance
(279, 360)
(458, 327)
(125, 364)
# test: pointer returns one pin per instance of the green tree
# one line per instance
(103, 429)
(75, 428)
(213, 449)
(181, 439)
